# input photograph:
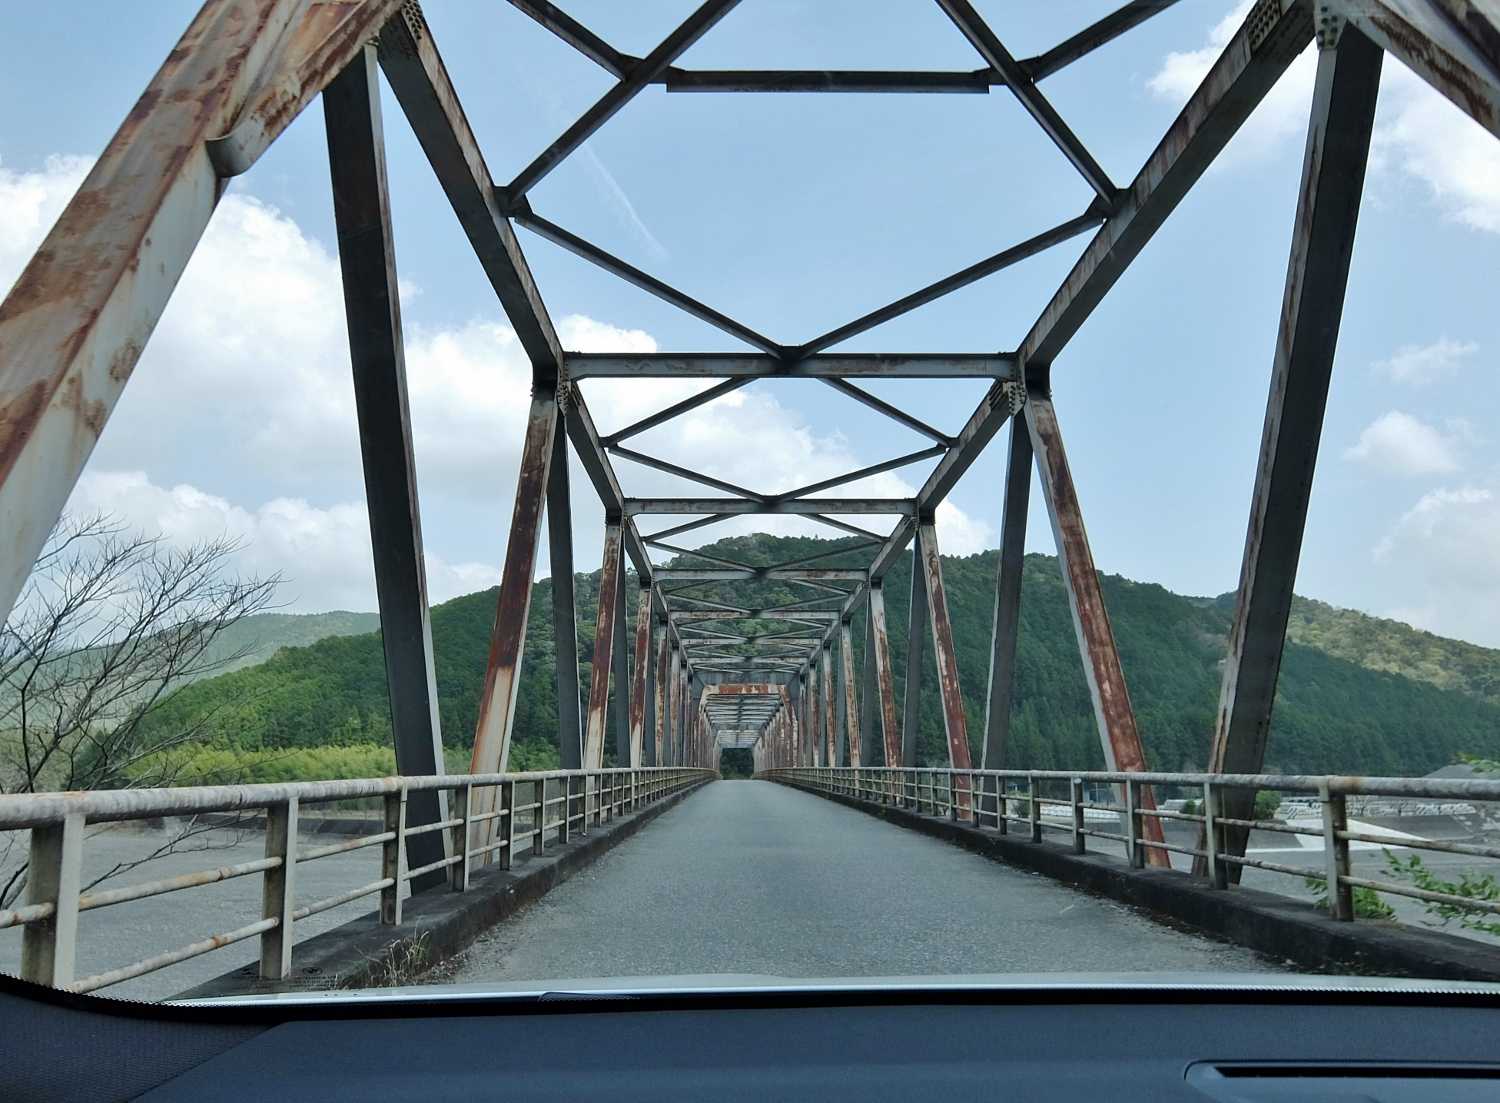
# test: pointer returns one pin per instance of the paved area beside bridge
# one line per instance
(753, 877)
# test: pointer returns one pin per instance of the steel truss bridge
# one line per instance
(702, 674)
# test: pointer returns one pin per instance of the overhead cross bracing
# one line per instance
(697, 627)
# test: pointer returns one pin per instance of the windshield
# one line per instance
(829, 492)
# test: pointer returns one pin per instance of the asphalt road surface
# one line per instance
(750, 877)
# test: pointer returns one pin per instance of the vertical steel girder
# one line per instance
(564, 604)
(916, 640)
(1333, 171)
(885, 677)
(1096, 641)
(663, 690)
(674, 707)
(826, 720)
(604, 642)
(502, 676)
(955, 721)
(989, 47)
(1007, 619)
(639, 683)
(74, 324)
(372, 307)
(621, 701)
(851, 695)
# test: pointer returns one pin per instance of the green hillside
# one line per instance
(256, 638)
(1335, 713)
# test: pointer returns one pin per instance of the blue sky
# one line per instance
(794, 214)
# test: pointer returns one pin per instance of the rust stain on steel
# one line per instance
(75, 322)
(497, 701)
(885, 679)
(851, 698)
(638, 678)
(1464, 87)
(828, 720)
(662, 674)
(1101, 659)
(955, 722)
(604, 645)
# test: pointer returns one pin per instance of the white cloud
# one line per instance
(1429, 139)
(324, 553)
(1400, 444)
(1419, 365)
(1281, 115)
(239, 417)
(1417, 131)
(1443, 559)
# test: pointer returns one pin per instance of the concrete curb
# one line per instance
(355, 954)
(1265, 922)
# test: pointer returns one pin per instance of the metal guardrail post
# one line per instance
(278, 891)
(567, 809)
(1136, 852)
(53, 877)
(1076, 786)
(507, 801)
(1218, 872)
(1034, 807)
(393, 858)
(1336, 852)
(460, 811)
(539, 816)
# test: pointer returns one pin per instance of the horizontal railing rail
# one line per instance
(999, 794)
(527, 809)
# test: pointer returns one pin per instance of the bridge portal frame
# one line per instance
(74, 325)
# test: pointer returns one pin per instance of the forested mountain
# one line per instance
(1408, 715)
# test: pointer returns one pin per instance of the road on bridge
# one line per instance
(754, 877)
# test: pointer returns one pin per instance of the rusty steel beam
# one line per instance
(639, 682)
(674, 708)
(590, 252)
(851, 730)
(585, 437)
(502, 673)
(811, 575)
(621, 696)
(1333, 172)
(372, 307)
(826, 719)
(630, 84)
(950, 690)
(663, 688)
(1118, 735)
(576, 35)
(1089, 220)
(564, 606)
(916, 638)
(685, 473)
(864, 472)
(1252, 61)
(1093, 36)
(422, 87)
(1007, 618)
(895, 413)
(702, 398)
(972, 81)
(692, 615)
(1454, 45)
(74, 324)
(885, 677)
(841, 365)
(636, 506)
(988, 45)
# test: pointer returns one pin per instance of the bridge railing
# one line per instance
(499, 816)
(1059, 802)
